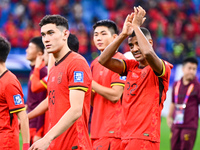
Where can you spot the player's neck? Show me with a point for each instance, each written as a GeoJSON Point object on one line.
{"type": "Point", "coordinates": [2, 68]}
{"type": "Point", "coordinates": [186, 81]}
{"type": "Point", "coordinates": [143, 63]}
{"type": "Point", "coordinates": [32, 63]}
{"type": "Point", "coordinates": [60, 54]}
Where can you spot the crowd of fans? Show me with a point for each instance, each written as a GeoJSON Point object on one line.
{"type": "Point", "coordinates": [174, 24]}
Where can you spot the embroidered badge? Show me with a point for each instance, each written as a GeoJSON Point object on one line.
{"type": "Point", "coordinates": [78, 76]}
{"type": "Point", "coordinates": [59, 79]}
{"type": "Point", "coordinates": [122, 78]}
{"type": "Point", "coordinates": [17, 99]}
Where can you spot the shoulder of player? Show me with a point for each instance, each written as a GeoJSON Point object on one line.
{"type": "Point", "coordinates": [119, 56]}
{"type": "Point", "coordinates": [77, 59]}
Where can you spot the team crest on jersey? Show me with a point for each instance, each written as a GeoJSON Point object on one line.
{"type": "Point", "coordinates": [143, 74]}
{"type": "Point", "coordinates": [122, 78]}
{"type": "Point", "coordinates": [78, 76]}
{"type": "Point", "coordinates": [17, 99]}
{"type": "Point", "coordinates": [59, 79]}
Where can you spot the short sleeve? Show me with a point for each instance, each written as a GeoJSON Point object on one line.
{"type": "Point", "coordinates": [166, 70]}
{"type": "Point", "coordinates": [116, 79]}
{"type": "Point", "coordinates": [128, 63]}
{"type": "Point", "coordinates": [14, 97]}
{"type": "Point", "coordinates": [79, 75]}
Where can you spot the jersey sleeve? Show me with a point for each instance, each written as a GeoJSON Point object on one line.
{"type": "Point", "coordinates": [166, 71]}
{"type": "Point", "coordinates": [79, 75]}
{"type": "Point", "coordinates": [116, 79]}
{"type": "Point", "coordinates": [38, 85]}
{"type": "Point", "coordinates": [14, 97]}
{"type": "Point", "coordinates": [127, 64]}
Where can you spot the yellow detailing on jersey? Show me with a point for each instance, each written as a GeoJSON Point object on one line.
{"type": "Point", "coordinates": [163, 73]}
{"type": "Point", "coordinates": [93, 90]}
{"type": "Point", "coordinates": [43, 83]}
{"type": "Point", "coordinates": [124, 65]}
{"type": "Point", "coordinates": [79, 88]}
{"type": "Point", "coordinates": [18, 110]}
{"type": "Point", "coordinates": [121, 84]}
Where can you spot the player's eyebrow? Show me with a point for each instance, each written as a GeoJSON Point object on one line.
{"type": "Point", "coordinates": [43, 33]}
{"type": "Point", "coordinates": [103, 31]}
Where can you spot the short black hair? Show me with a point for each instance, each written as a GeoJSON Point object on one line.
{"type": "Point", "coordinates": [38, 42]}
{"type": "Point", "coordinates": [190, 60]}
{"type": "Point", "coordinates": [73, 42]}
{"type": "Point", "coordinates": [111, 25]}
{"type": "Point", "coordinates": [4, 49]}
{"type": "Point", "coordinates": [145, 31]}
{"type": "Point", "coordinates": [58, 20]}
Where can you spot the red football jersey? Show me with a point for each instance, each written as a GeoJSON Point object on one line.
{"type": "Point", "coordinates": [71, 72]}
{"type": "Point", "coordinates": [142, 101]}
{"type": "Point", "coordinates": [11, 101]}
{"type": "Point", "coordinates": [106, 115]}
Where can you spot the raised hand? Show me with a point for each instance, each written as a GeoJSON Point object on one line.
{"type": "Point", "coordinates": [39, 61]}
{"type": "Point", "coordinates": [128, 27]}
{"type": "Point", "coordinates": [139, 16]}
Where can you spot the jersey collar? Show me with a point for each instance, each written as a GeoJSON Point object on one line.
{"type": "Point", "coordinates": [56, 64]}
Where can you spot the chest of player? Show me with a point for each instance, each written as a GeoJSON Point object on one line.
{"type": "Point", "coordinates": [58, 90]}
{"type": "Point", "coordinates": [140, 80]}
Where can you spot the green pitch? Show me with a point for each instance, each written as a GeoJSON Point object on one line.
{"type": "Point", "coordinates": [165, 134]}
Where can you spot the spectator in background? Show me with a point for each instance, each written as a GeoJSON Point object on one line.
{"type": "Point", "coordinates": [35, 48]}
{"type": "Point", "coordinates": [183, 113]}
{"type": "Point", "coordinates": [11, 106]}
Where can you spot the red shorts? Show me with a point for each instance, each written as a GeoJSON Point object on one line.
{"type": "Point", "coordinates": [32, 134]}
{"type": "Point", "coordinates": [139, 144]}
{"type": "Point", "coordinates": [106, 143]}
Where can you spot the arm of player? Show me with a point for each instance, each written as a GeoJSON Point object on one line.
{"type": "Point", "coordinates": [113, 94]}
{"type": "Point", "coordinates": [106, 59]}
{"type": "Point", "coordinates": [24, 124]}
{"type": "Point", "coordinates": [39, 110]}
{"type": "Point", "coordinates": [145, 44]}
{"type": "Point", "coordinates": [36, 85]}
{"type": "Point", "coordinates": [169, 117]}
{"type": "Point", "coordinates": [68, 119]}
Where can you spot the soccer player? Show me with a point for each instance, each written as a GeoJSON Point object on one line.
{"type": "Point", "coordinates": [35, 48]}
{"type": "Point", "coordinates": [108, 87]}
{"type": "Point", "coordinates": [41, 84]}
{"type": "Point", "coordinates": [12, 106]}
{"type": "Point", "coordinates": [146, 84]}
{"type": "Point", "coordinates": [183, 113]}
{"type": "Point", "coordinates": [69, 90]}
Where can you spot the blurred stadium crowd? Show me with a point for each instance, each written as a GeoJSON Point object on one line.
{"type": "Point", "coordinates": [174, 24]}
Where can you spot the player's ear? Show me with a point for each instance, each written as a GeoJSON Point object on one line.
{"type": "Point", "coordinates": [115, 35]}
{"type": "Point", "coordinates": [66, 34]}
{"type": "Point", "coordinates": [151, 42]}
{"type": "Point", "coordinates": [39, 53]}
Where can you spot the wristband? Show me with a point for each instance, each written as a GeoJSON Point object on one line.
{"type": "Point", "coordinates": [26, 146]}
